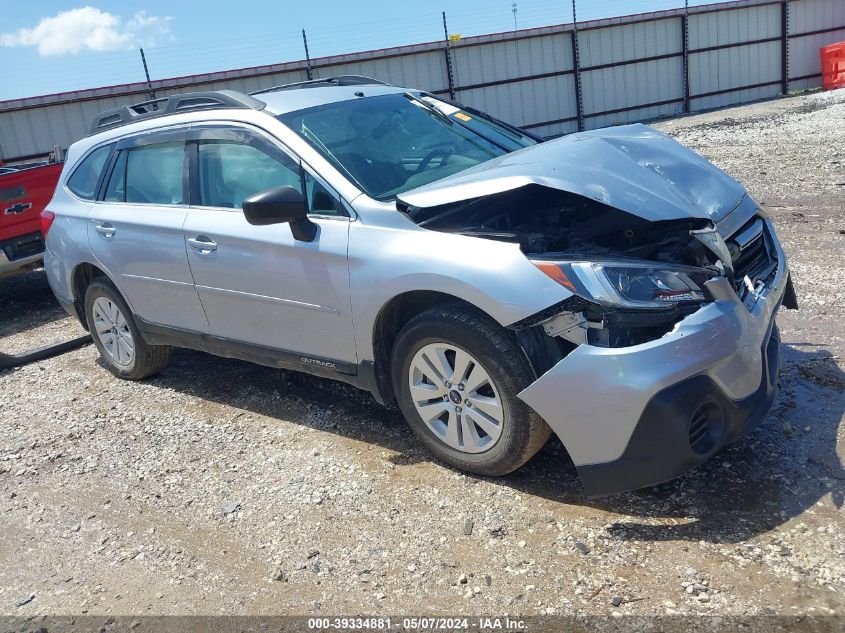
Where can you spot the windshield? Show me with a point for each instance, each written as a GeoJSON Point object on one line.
{"type": "Point", "coordinates": [392, 143]}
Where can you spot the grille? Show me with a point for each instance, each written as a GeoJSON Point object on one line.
{"type": "Point", "coordinates": [754, 255]}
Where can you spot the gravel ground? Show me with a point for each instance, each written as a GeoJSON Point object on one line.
{"type": "Point", "coordinates": [224, 487]}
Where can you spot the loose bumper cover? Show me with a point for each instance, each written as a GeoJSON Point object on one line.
{"type": "Point", "coordinates": [637, 416]}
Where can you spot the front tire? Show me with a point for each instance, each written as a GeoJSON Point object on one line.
{"type": "Point", "coordinates": [456, 375]}
{"type": "Point", "coordinates": [121, 346]}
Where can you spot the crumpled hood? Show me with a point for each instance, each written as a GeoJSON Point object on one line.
{"type": "Point", "coordinates": [633, 168]}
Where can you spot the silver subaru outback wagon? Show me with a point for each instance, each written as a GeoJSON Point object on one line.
{"type": "Point", "coordinates": [611, 287]}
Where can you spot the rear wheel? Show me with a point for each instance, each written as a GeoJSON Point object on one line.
{"type": "Point", "coordinates": [116, 336]}
{"type": "Point", "coordinates": [457, 374]}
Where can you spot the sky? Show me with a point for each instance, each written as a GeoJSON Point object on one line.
{"type": "Point", "coordinates": [53, 46]}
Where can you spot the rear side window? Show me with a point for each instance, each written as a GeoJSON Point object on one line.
{"type": "Point", "coordinates": [116, 189]}
{"type": "Point", "coordinates": [83, 181]}
{"type": "Point", "coordinates": [154, 174]}
{"type": "Point", "coordinates": [150, 174]}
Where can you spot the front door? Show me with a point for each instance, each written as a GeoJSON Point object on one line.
{"type": "Point", "coordinates": [135, 230]}
{"type": "Point", "coordinates": [258, 284]}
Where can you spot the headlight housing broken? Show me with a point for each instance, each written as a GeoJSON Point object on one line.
{"type": "Point", "coordinates": [630, 284]}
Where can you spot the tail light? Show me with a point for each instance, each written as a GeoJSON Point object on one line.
{"type": "Point", "coordinates": [47, 218]}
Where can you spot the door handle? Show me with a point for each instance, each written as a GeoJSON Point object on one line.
{"type": "Point", "coordinates": [105, 229]}
{"type": "Point", "coordinates": [203, 244]}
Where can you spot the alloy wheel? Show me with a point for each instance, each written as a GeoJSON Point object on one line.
{"type": "Point", "coordinates": [113, 332]}
{"type": "Point", "coordinates": [456, 398]}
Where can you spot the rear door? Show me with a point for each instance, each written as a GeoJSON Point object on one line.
{"type": "Point", "coordinates": [135, 230]}
{"type": "Point", "coordinates": [258, 284]}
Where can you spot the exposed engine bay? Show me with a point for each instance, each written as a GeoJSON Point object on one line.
{"type": "Point", "coordinates": [551, 224]}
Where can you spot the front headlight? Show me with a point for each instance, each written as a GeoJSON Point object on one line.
{"type": "Point", "coordinates": [630, 284]}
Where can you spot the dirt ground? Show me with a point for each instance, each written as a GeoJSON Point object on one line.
{"type": "Point", "coordinates": [224, 487]}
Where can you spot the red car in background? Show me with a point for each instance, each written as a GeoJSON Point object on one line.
{"type": "Point", "coordinates": [24, 192]}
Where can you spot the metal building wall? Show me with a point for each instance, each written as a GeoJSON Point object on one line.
{"type": "Point", "coordinates": [818, 19]}
{"type": "Point", "coordinates": [31, 129]}
{"type": "Point", "coordinates": [626, 66]}
{"type": "Point", "coordinates": [526, 81]}
{"type": "Point", "coordinates": [420, 69]}
{"type": "Point", "coordinates": [629, 69]}
{"type": "Point", "coordinates": [748, 53]}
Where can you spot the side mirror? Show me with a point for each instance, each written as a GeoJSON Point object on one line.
{"type": "Point", "coordinates": [281, 205]}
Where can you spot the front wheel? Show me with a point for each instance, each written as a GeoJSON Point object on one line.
{"type": "Point", "coordinates": [456, 374]}
{"type": "Point", "coordinates": [123, 350]}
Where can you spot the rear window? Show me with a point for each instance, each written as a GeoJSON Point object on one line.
{"type": "Point", "coordinates": [83, 181]}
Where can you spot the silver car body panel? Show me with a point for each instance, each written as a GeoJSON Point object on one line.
{"type": "Point", "coordinates": [390, 255]}
{"type": "Point", "coordinates": [143, 248]}
{"type": "Point", "coordinates": [632, 167]}
{"type": "Point", "coordinates": [722, 340]}
{"type": "Point", "coordinates": [261, 286]}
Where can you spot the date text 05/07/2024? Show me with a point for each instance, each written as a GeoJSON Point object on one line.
{"type": "Point", "coordinates": [424, 623]}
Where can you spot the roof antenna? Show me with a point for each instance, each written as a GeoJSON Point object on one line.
{"type": "Point", "coordinates": [149, 83]}
{"type": "Point", "coordinates": [307, 56]}
{"type": "Point", "coordinates": [513, 8]}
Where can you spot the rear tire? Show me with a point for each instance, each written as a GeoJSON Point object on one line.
{"type": "Point", "coordinates": [475, 423]}
{"type": "Point", "coordinates": [121, 346]}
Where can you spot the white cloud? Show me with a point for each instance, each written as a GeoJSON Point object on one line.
{"type": "Point", "coordinates": [89, 29]}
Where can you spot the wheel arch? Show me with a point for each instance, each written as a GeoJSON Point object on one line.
{"type": "Point", "coordinates": [400, 309]}
{"type": "Point", "coordinates": [82, 276]}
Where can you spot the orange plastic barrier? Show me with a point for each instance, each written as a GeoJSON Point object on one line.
{"type": "Point", "coordinates": [833, 66]}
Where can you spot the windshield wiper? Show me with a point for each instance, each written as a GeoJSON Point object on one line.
{"type": "Point", "coordinates": [427, 106]}
{"type": "Point", "coordinates": [445, 117]}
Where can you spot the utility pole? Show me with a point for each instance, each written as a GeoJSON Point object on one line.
{"type": "Point", "coordinates": [307, 56]}
{"type": "Point", "coordinates": [149, 83]}
{"type": "Point", "coordinates": [513, 9]}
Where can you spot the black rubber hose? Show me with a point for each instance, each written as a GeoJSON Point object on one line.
{"type": "Point", "coordinates": [7, 361]}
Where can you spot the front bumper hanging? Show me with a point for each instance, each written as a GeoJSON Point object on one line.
{"type": "Point", "coordinates": [636, 416]}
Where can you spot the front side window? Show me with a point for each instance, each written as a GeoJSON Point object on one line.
{"type": "Point", "coordinates": [83, 181]}
{"type": "Point", "coordinates": [392, 143]}
{"type": "Point", "coordinates": [230, 171]}
{"type": "Point", "coordinates": [321, 201]}
{"type": "Point", "coordinates": [149, 174]}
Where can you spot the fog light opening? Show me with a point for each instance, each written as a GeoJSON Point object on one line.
{"type": "Point", "coordinates": [706, 427]}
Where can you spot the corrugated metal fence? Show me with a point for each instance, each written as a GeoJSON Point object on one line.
{"type": "Point", "coordinates": [552, 80]}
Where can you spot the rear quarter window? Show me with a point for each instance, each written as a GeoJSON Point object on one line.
{"type": "Point", "coordinates": [83, 181]}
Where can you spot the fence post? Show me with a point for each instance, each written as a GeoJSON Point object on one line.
{"type": "Point", "coordinates": [307, 56]}
{"type": "Point", "coordinates": [784, 47]}
{"type": "Point", "coordinates": [685, 50]}
{"type": "Point", "coordinates": [576, 65]}
{"type": "Point", "coordinates": [448, 53]}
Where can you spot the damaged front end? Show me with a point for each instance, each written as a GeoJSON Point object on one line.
{"type": "Point", "coordinates": [633, 278]}
{"type": "Point", "coordinates": [666, 349]}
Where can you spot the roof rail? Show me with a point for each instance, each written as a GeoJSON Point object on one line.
{"type": "Point", "coordinates": [174, 104]}
{"type": "Point", "coordinates": [340, 80]}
